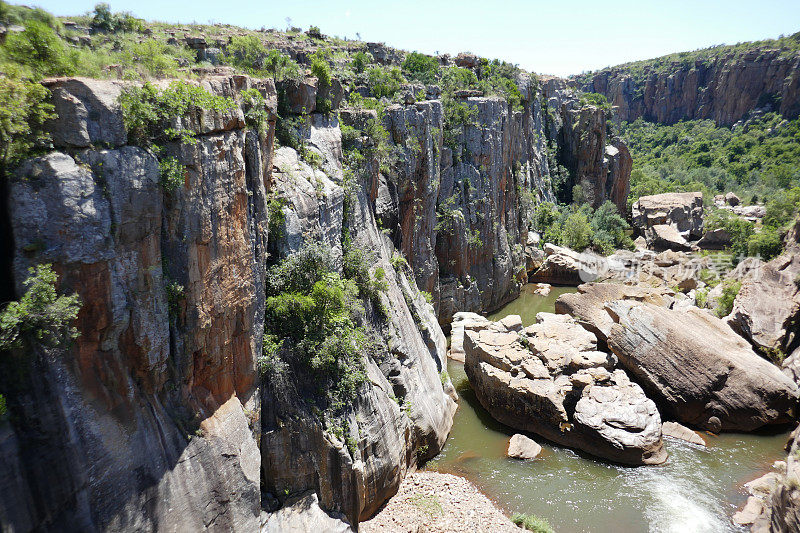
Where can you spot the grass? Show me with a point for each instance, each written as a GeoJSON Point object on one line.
{"type": "Point", "coordinates": [532, 523]}
{"type": "Point", "coordinates": [428, 504]}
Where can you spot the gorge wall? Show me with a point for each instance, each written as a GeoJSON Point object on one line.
{"type": "Point", "coordinates": [722, 87]}
{"type": "Point", "coordinates": [156, 417]}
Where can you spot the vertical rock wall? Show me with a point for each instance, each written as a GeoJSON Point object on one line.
{"type": "Point", "coordinates": [723, 89]}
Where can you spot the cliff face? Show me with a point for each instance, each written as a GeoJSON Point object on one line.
{"type": "Point", "coordinates": [723, 89]}
{"type": "Point", "coordinates": [598, 162]}
{"type": "Point", "coordinates": [151, 419]}
{"type": "Point", "coordinates": [156, 417]}
{"type": "Point", "coordinates": [480, 242]}
{"type": "Point", "coordinates": [144, 421]}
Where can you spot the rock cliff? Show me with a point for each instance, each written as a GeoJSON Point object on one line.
{"type": "Point", "coordinates": [152, 418]}
{"type": "Point", "coordinates": [722, 87]}
{"type": "Point", "coordinates": [594, 159]}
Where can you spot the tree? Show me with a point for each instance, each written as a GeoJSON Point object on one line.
{"type": "Point", "coordinates": [41, 314]}
{"type": "Point", "coordinates": [23, 111]}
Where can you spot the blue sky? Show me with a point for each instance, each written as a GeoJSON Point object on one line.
{"type": "Point", "coordinates": [549, 37]}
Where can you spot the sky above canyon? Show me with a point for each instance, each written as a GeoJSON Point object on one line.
{"type": "Point", "coordinates": [550, 37]}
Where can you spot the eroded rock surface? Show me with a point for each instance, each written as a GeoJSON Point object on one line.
{"type": "Point", "coordinates": [551, 380]}
{"type": "Point", "coordinates": [698, 370]}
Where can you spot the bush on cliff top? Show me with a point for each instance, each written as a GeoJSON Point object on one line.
{"type": "Point", "coordinates": [148, 111]}
{"type": "Point", "coordinates": [23, 111]}
{"type": "Point", "coordinates": [41, 315]}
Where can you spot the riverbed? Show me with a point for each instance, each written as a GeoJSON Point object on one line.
{"type": "Point", "coordinates": [697, 490]}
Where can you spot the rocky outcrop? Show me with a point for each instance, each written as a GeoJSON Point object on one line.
{"type": "Point", "coordinates": [385, 441]}
{"type": "Point", "coordinates": [551, 380]}
{"type": "Point", "coordinates": [766, 310]}
{"type": "Point", "coordinates": [697, 369]}
{"type": "Point", "coordinates": [680, 212]}
{"type": "Point", "coordinates": [600, 164]}
{"type": "Point", "coordinates": [480, 239]}
{"type": "Point", "coordinates": [150, 411]}
{"type": "Point", "coordinates": [723, 88]}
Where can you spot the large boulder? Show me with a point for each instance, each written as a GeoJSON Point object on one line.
{"type": "Point", "coordinates": [681, 210]}
{"type": "Point", "coordinates": [587, 305]}
{"type": "Point", "coordinates": [698, 369]}
{"type": "Point", "coordinates": [766, 310]}
{"type": "Point", "coordinates": [562, 266]}
{"type": "Point", "coordinates": [551, 380]}
{"type": "Point", "coordinates": [522, 447]}
{"type": "Point", "coordinates": [665, 237]}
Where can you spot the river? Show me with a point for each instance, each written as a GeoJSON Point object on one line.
{"type": "Point", "coordinates": [697, 490]}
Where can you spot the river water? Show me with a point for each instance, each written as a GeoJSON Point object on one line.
{"type": "Point", "coordinates": [697, 490]}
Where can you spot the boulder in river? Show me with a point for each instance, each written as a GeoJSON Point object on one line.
{"type": "Point", "coordinates": [681, 432]}
{"type": "Point", "coordinates": [587, 305]}
{"type": "Point", "coordinates": [522, 447]}
{"type": "Point", "coordinates": [698, 370]}
{"type": "Point", "coordinates": [551, 380]}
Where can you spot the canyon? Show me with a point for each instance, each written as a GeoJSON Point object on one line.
{"type": "Point", "coordinates": [159, 415]}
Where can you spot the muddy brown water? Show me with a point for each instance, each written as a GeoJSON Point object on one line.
{"type": "Point", "coordinates": [697, 490]}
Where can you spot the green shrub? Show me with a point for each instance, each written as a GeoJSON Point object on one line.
{"type": "Point", "coordinates": [280, 66]}
{"type": "Point", "coordinates": [420, 67]}
{"type": "Point", "coordinates": [246, 52]}
{"type": "Point", "coordinates": [105, 20]}
{"type": "Point", "coordinates": [766, 243]}
{"type": "Point", "coordinates": [3, 407]}
{"type": "Point", "coordinates": [595, 99]}
{"type": "Point", "coordinates": [322, 71]}
{"type": "Point", "coordinates": [577, 232]}
{"type": "Point", "coordinates": [171, 174]}
{"type": "Point", "coordinates": [360, 60]}
{"type": "Point", "coordinates": [313, 315]}
{"type": "Point", "coordinates": [176, 293]}
{"type": "Point", "coordinates": [23, 111]}
{"type": "Point", "coordinates": [148, 111]}
{"type": "Point", "coordinates": [384, 81]}
{"type": "Point", "coordinates": [532, 523]}
{"type": "Point", "coordinates": [41, 49]}
{"type": "Point", "coordinates": [256, 113]}
{"type": "Point", "coordinates": [41, 315]}
{"type": "Point", "coordinates": [725, 303]}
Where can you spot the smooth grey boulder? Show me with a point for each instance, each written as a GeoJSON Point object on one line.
{"type": "Point", "coordinates": [551, 380]}
{"type": "Point", "coordinates": [587, 305]}
{"type": "Point", "coordinates": [698, 370]}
